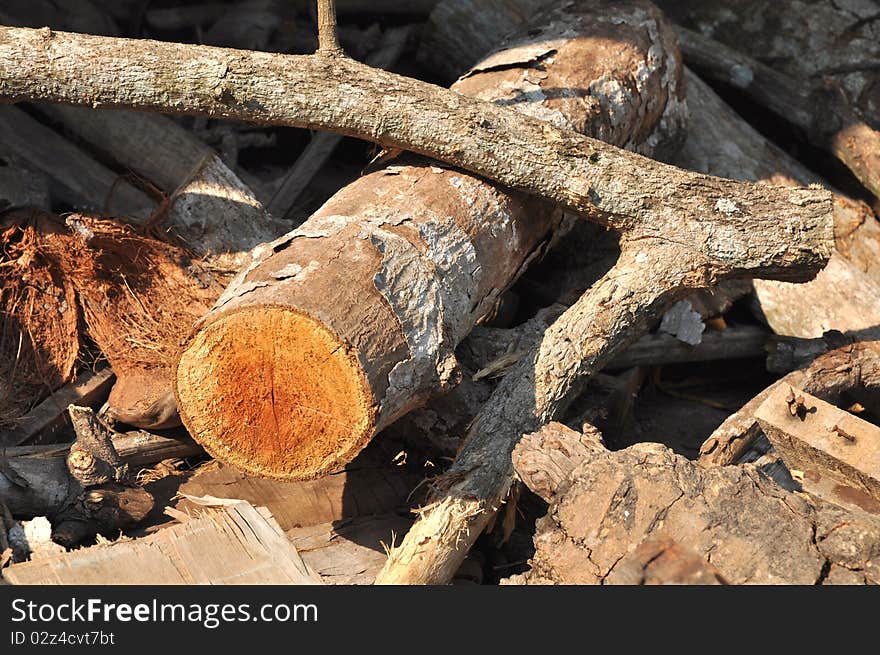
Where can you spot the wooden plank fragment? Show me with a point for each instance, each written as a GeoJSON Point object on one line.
{"type": "Point", "coordinates": [50, 416]}
{"type": "Point", "coordinates": [343, 495]}
{"type": "Point", "coordinates": [234, 544]}
{"type": "Point", "coordinates": [348, 552]}
{"type": "Point", "coordinates": [814, 436]}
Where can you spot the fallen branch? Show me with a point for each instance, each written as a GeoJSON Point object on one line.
{"type": "Point", "coordinates": [337, 94]}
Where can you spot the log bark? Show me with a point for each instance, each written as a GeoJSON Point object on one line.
{"type": "Point", "coordinates": [425, 253]}
{"type": "Point", "coordinates": [748, 528]}
{"type": "Point", "coordinates": [569, 354]}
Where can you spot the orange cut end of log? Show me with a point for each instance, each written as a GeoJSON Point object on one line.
{"type": "Point", "coordinates": [274, 392]}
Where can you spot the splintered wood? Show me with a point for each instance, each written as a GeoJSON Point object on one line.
{"type": "Point", "coordinates": [233, 544]}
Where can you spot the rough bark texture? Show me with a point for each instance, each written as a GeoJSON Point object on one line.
{"type": "Point", "coordinates": [424, 252]}
{"type": "Point", "coordinates": [747, 528]}
{"type": "Point", "coordinates": [844, 294]}
{"type": "Point", "coordinates": [851, 373]}
{"type": "Point", "coordinates": [335, 93]}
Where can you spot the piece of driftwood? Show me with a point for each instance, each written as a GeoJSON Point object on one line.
{"type": "Point", "coordinates": [849, 373]}
{"type": "Point", "coordinates": [424, 251]}
{"type": "Point", "coordinates": [814, 436]}
{"type": "Point", "coordinates": [45, 420]}
{"type": "Point", "coordinates": [824, 114]}
{"type": "Point", "coordinates": [748, 528]}
{"type": "Point", "coordinates": [233, 544]}
{"type": "Point", "coordinates": [323, 144]}
{"type": "Point", "coordinates": [81, 181]}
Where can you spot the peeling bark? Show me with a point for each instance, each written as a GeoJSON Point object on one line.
{"type": "Point", "coordinates": [424, 251]}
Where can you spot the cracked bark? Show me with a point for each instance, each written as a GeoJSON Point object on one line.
{"type": "Point", "coordinates": [739, 527]}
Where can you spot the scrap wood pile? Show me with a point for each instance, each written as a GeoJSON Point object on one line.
{"type": "Point", "coordinates": [517, 292]}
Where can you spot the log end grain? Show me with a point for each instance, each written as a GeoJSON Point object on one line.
{"type": "Point", "coordinates": [274, 392]}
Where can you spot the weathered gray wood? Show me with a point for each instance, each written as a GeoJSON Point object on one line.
{"type": "Point", "coordinates": [823, 114]}
{"type": "Point", "coordinates": [81, 181]}
{"type": "Point", "coordinates": [153, 146]}
{"type": "Point", "coordinates": [348, 552]}
{"type": "Point", "coordinates": [812, 40]}
{"type": "Point", "coordinates": [49, 485]}
{"type": "Point", "coordinates": [234, 544]}
{"type": "Point", "coordinates": [49, 417]}
{"type": "Point", "coordinates": [176, 18]}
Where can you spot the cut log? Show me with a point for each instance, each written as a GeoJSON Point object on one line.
{"type": "Point", "coordinates": [235, 544]}
{"type": "Point", "coordinates": [752, 531]}
{"type": "Point", "coordinates": [822, 440]}
{"type": "Point", "coordinates": [424, 253]}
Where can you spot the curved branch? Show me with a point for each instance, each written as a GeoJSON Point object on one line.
{"type": "Point", "coordinates": [726, 220]}
{"type": "Point", "coordinates": [611, 315]}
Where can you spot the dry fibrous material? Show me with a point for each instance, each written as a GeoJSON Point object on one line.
{"type": "Point", "coordinates": [134, 295]}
